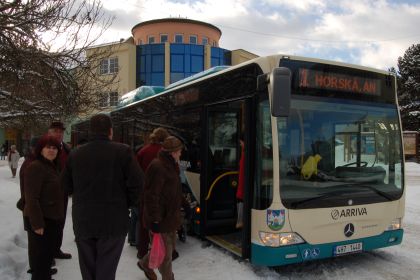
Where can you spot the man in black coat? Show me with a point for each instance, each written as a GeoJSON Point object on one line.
{"type": "Point", "coordinates": [105, 181]}
{"type": "Point", "coordinates": [56, 130]}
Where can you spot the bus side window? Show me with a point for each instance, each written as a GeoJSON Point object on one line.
{"type": "Point", "coordinates": [263, 191]}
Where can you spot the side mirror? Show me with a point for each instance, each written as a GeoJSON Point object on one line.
{"type": "Point", "coordinates": [281, 87]}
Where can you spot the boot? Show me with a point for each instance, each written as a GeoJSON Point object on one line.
{"type": "Point", "coordinates": [149, 273]}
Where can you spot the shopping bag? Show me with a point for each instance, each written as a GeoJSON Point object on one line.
{"type": "Point", "coordinates": [157, 252]}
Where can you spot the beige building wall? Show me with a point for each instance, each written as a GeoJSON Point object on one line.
{"type": "Point", "coordinates": [125, 79]}
{"type": "Point", "coordinates": [207, 57]}
{"type": "Point", "coordinates": [240, 55]}
{"type": "Point", "coordinates": [127, 66]}
{"type": "Point", "coordinates": [167, 63]}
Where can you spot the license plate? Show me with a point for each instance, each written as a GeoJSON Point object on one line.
{"type": "Point", "coordinates": [348, 248]}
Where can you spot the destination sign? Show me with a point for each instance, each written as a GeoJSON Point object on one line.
{"type": "Point", "coordinates": [313, 79]}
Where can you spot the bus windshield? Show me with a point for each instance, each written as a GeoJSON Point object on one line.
{"type": "Point", "coordinates": [338, 152]}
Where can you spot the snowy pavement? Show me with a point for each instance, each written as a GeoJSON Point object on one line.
{"type": "Point", "coordinates": [208, 263]}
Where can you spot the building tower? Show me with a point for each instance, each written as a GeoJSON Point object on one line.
{"type": "Point", "coordinates": [171, 49]}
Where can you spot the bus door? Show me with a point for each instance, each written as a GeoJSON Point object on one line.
{"type": "Point", "coordinates": [224, 126]}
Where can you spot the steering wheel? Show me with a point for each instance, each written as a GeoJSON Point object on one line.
{"type": "Point", "coordinates": [363, 164]}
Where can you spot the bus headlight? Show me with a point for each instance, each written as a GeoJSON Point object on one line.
{"type": "Point", "coordinates": [395, 224]}
{"type": "Point", "coordinates": [280, 239]}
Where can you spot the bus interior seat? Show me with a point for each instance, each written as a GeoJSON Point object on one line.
{"type": "Point", "coordinates": [323, 148]}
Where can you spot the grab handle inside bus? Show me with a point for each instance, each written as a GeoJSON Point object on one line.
{"type": "Point", "coordinates": [281, 87]}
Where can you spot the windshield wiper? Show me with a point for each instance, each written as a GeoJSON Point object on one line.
{"type": "Point", "coordinates": [375, 190]}
{"type": "Point", "coordinates": [295, 204]}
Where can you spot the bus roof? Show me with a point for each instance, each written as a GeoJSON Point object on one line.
{"type": "Point", "coordinates": [267, 63]}
{"type": "Point", "coordinates": [337, 63]}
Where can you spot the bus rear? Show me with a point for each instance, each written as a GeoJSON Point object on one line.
{"type": "Point", "coordinates": [331, 181]}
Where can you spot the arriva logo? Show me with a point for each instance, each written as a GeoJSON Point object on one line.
{"type": "Point", "coordinates": [336, 214]}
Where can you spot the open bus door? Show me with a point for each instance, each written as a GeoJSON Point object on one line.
{"type": "Point", "coordinates": [224, 125]}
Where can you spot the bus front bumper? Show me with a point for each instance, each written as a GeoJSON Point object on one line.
{"type": "Point", "coordinates": [276, 256]}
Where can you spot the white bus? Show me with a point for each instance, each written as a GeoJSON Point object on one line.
{"type": "Point", "coordinates": [324, 163]}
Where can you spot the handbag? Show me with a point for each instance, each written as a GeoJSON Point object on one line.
{"type": "Point", "coordinates": [157, 252]}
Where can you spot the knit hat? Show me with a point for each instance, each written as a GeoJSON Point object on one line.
{"type": "Point", "coordinates": [158, 135]}
{"type": "Point", "coordinates": [172, 144]}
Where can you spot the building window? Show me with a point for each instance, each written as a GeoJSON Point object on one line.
{"type": "Point", "coordinates": [109, 66]}
{"type": "Point", "coordinates": [103, 101]}
{"type": "Point", "coordinates": [113, 65]}
{"type": "Point", "coordinates": [151, 61]}
{"type": "Point", "coordinates": [163, 38]}
{"type": "Point", "coordinates": [151, 39]}
{"type": "Point", "coordinates": [179, 38]}
{"type": "Point", "coordinates": [113, 99]}
{"type": "Point", "coordinates": [193, 39]}
{"type": "Point", "coordinates": [205, 40]}
{"type": "Point", "coordinates": [108, 99]}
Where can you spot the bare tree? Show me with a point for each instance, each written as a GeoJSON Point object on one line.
{"type": "Point", "coordinates": [44, 70]}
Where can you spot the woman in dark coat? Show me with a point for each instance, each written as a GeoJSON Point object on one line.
{"type": "Point", "coordinates": [44, 206]}
{"type": "Point", "coordinates": [162, 203]}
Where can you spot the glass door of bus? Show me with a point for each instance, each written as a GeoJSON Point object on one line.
{"type": "Point", "coordinates": [225, 126]}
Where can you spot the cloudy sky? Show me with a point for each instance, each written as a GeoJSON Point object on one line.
{"type": "Point", "coordinates": [367, 32]}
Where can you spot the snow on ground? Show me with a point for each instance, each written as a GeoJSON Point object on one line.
{"type": "Point", "coordinates": [208, 263]}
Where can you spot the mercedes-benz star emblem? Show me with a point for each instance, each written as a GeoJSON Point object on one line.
{"type": "Point", "coordinates": [349, 230]}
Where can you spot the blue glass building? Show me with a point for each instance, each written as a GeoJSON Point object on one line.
{"type": "Point", "coordinates": [169, 50]}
